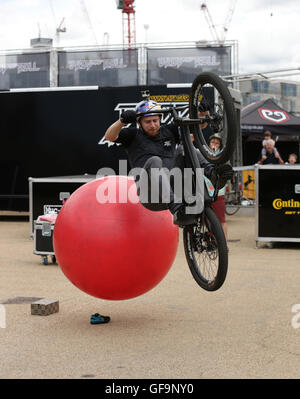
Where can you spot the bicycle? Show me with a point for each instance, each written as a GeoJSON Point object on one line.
{"type": "Point", "coordinates": [204, 242]}
{"type": "Point", "coordinates": [238, 194]}
{"type": "Point", "coordinates": [233, 196]}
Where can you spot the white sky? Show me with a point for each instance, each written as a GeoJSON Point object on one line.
{"type": "Point", "coordinates": [267, 31]}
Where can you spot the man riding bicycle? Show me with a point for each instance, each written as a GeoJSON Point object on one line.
{"type": "Point", "coordinates": [153, 145]}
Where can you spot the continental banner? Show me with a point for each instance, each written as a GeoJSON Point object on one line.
{"type": "Point", "coordinates": [279, 202]}
{"type": "Point", "coordinates": [182, 65]}
{"type": "Point", "coordinates": [99, 68]}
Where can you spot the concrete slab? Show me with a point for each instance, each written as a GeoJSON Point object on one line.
{"type": "Point", "coordinates": [177, 330]}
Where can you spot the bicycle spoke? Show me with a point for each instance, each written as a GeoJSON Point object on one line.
{"type": "Point", "coordinates": [206, 254]}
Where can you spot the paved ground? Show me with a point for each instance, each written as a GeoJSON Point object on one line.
{"type": "Point", "coordinates": [177, 330]}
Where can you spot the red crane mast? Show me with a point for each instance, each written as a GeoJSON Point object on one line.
{"type": "Point", "coordinates": [128, 22]}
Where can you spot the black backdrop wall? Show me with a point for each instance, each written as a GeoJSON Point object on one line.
{"type": "Point", "coordinates": [252, 150]}
{"type": "Point", "coordinates": [60, 133]}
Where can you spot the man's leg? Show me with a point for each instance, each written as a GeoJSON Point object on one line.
{"type": "Point", "coordinates": [193, 194]}
{"type": "Point", "coordinates": [153, 181]}
{"type": "Point", "coordinates": [154, 187]}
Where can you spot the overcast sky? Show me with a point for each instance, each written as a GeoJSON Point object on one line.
{"type": "Point", "coordinates": [267, 31]}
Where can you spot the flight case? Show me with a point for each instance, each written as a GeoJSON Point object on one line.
{"type": "Point", "coordinates": [44, 194]}
{"type": "Point", "coordinates": [277, 203]}
{"type": "Point", "coordinates": [43, 245]}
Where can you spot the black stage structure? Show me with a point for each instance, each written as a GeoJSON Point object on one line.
{"type": "Point", "coordinates": [59, 132]}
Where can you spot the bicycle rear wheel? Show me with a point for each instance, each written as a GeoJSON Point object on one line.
{"type": "Point", "coordinates": [231, 209]}
{"type": "Point", "coordinates": [209, 93]}
{"type": "Point", "coordinates": [206, 251]}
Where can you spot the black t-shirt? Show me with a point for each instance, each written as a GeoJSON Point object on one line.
{"type": "Point", "coordinates": [140, 147]}
{"type": "Point", "coordinates": [271, 159]}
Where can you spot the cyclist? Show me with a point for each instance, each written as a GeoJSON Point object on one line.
{"type": "Point", "coordinates": [152, 145]}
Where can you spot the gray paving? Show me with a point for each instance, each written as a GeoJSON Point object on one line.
{"type": "Point", "coordinates": [177, 330]}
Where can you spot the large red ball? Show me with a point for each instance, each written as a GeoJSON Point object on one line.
{"type": "Point", "coordinates": [115, 249]}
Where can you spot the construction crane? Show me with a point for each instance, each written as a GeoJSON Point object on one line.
{"type": "Point", "coordinates": [209, 20]}
{"type": "Point", "coordinates": [228, 19]}
{"type": "Point", "coordinates": [88, 20]}
{"type": "Point", "coordinates": [220, 38]}
{"type": "Point", "coordinates": [128, 22]}
{"type": "Point", "coordinates": [60, 29]}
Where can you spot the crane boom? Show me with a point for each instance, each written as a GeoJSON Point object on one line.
{"type": "Point", "coordinates": [209, 21]}
{"type": "Point", "coordinates": [87, 17]}
{"type": "Point", "coordinates": [228, 19]}
{"type": "Point", "coordinates": [60, 28]}
{"type": "Point", "coordinates": [212, 27]}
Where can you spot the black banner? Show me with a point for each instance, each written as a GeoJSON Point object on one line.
{"type": "Point", "coordinates": [182, 65]}
{"type": "Point", "coordinates": [279, 202]}
{"type": "Point", "coordinates": [99, 68]}
{"type": "Point", "coordinates": [60, 133]}
{"type": "Point", "coordinates": [24, 70]}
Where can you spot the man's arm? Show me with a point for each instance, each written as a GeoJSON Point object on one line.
{"type": "Point", "coordinates": [112, 133]}
{"type": "Point", "coordinates": [207, 166]}
{"type": "Point", "coordinates": [263, 158]}
{"type": "Point", "coordinates": [277, 155]}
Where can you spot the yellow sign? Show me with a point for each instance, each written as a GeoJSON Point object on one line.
{"type": "Point", "coordinates": [278, 203]}
{"type": "Point", "coordinates": [249, 184]}
{"type": "Point", "coordinates": [166, 98]}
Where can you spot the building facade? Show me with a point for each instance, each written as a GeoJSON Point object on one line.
{"type": "Point", "coordinates": [285, 93]}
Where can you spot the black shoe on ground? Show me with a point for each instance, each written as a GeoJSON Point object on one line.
{"type": "Point", "coordinates": [182, 219]}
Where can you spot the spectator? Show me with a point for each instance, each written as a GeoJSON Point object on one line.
{"type": "Point", "coordinates": [292, 159]}
{"type": "Point", "coordinates": [271, 156]}
{"type": "Point", "coordinates": [267, 136]}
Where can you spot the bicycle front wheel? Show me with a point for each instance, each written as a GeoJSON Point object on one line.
{"type": "Point", "coordinates": [210, 93]}
{"type": "Point", "coordinates": [206, 251]}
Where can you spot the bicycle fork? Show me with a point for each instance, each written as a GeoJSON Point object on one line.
{"type": "Point", "coordinates": [199, 190]}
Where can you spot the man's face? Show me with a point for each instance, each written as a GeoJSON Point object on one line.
{"type": "Point", "coordinates": [150, 124]}
{"type": "Point", "coordinates": [269, 147]}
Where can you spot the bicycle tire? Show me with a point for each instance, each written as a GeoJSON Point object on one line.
{"type": "Point", "coordinates": [205, 245]}
{"type": "Point", "coordinates": [231, 210]}
{"type": "Point", "coordinates": [222, 108]}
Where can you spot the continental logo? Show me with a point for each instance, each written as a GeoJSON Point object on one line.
{"type": "Point", "coordinates": [278, 204]}
{"type": "Point", "coordinates": [164, 98]}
